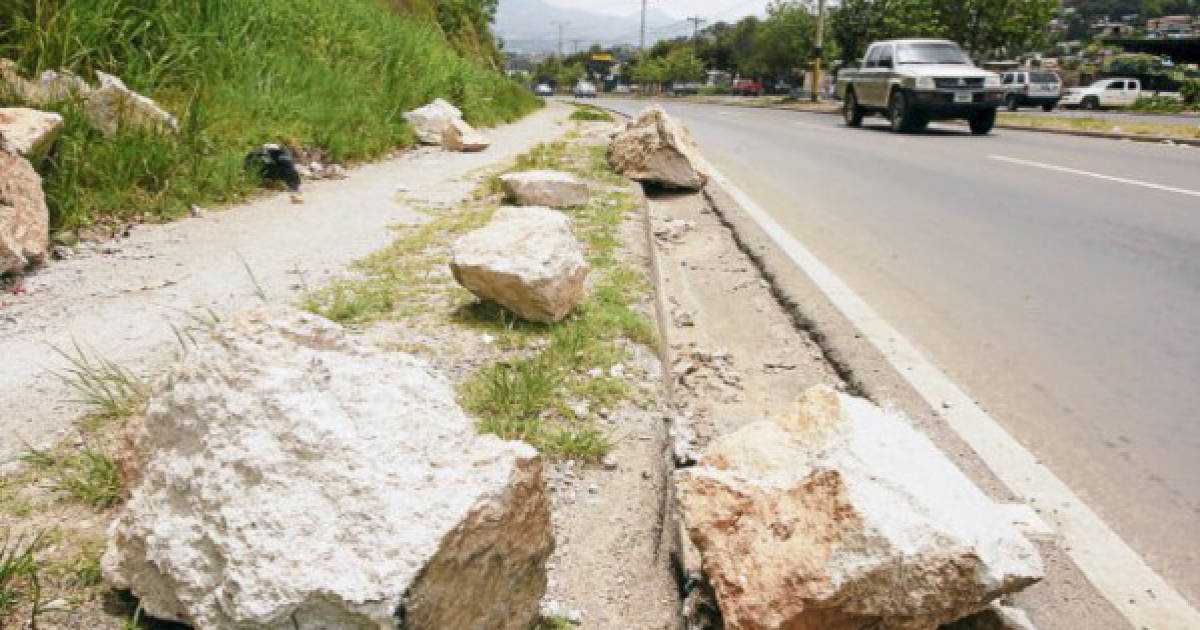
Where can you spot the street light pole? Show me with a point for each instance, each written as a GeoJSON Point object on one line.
{"type": "Point", "coordinates": [820, 51]}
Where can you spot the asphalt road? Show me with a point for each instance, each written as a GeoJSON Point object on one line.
{"type": "Point", "coordinates": [1056, 278]}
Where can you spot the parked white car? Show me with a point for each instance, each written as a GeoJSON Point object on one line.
{"type": "Point", "coordinates": [585, 89]}
{"type": "Point", "coordinates": [1103, 93]}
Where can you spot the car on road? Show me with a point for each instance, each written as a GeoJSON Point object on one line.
{"type": "Point", "coordinates": [622, 89]}
{"type": "Point", "coordinates": [585, 89]}
{"type": "Point", "coordinates": [746, 87]}
{"type": "Point", "coordinates": [1036, 88]}
{"type": "Point", "coordinates": [914, 81]}
{"type": "Point", "coordinates": [682, 88]}
{"type": "Point", "coordinates": [1118, 92]}
{"type": "Point", "coordinates": [543, 89]}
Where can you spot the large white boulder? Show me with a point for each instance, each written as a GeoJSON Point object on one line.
{"type": "Point", "coordinates": [654, 148]}
{"type": "Point", "coordinates": [52, 86]}
{"type": "Point", "coordinates": [113, 105]}
{"type": "Point", "coordinates": [840, 516]}
{"type": "Point", "coordinates": [553, 189]}
{"type": "Point", "coordinates": [525, 259]}
{"type": "Point", "coordinates": [459, 136]}
{"type": "Point", "coordinates": [430, 122]}
{"type": "Point", "coordinates": [28, 132]}
{"type": "Point", "coordinates": [24, 217]}
{"type": "Point", "coordinates": [290, 478]}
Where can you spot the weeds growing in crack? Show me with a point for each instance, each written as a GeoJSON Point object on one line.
{"type": "Point", "coordinates": [556, 622]}
{"type": "Point", "coordinates": [587, 113]}
{"type": "Point", "coordinates": [89, 477]}
{"type": "Point", "coordinates": [109, 391]}
{"type": "Point", "coordinates": [19, 573]}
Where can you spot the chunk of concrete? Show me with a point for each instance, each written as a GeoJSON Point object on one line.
{"type": "Point", "coordinates": [114, 105]}
{"type": "Point", "coordinates": [654, 148]}
{"type": "Point", "coordinates": [290, 478]}
{"type": "Point", "coordinates": [553, 189]}
{"type": "Point", "coordinates": [527, 260]}
{"type": "Point", "coordinates": [24, 216]}
{"type": "Point", "coordinates": [29, 132]}
{"type": "Point", "coordinates": [459, 136]}
{"type": "Point", "coordinates": [841, 516]}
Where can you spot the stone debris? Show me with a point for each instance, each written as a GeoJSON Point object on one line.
{"type": "Point", "coordinates": [553, 189]}
{"type": "Point", "coordinates": [24, 216]}
{"type": "Point", "coordinates": [430, 122]}
{"type": "Point", "coordinates": [527, 260]}
{"type": "Point", "coordinates": [839, 515]}
{"type": "Point", "coordinates": [113, 104]}
{"type": "Point", "coordinates": [654, 148]}
{"type": "Point", "coordinates": [51, 87]}
{"type": "Point", "coordinates": [28, 132]}
{"type": "Point", "coordinates": [996, 617]}
{"type": "Point", "coordinates": [674, 230]}
{"type": "Point", "coordinates": [459, 136]}
{"type": "Point", "coordinates": [285, 477]}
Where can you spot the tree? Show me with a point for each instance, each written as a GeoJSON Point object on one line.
{"type": "Point", "coordinates": [682, 65]}
{"type": "Point", "coordinates": [786, 38]}
{"type": "Point", "coordinates": [856, 23]}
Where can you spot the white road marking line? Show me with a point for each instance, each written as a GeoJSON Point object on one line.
{"type": "Point", "coordinates": [1074, 171]}
{"type": "Point", "coordinates": [1143, 597]}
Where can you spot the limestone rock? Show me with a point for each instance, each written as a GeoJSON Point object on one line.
{"type": "Point", "coordinates": [24, 217]}
{"type": "Point", "coordinates": [294, 479]}
{"type": "Point", "coordinates": [840, 516]}
{"type": "Point", "coordinates": [114, 105]}
{"type": "Point", "coordinates": [28, 132]}
{"type": "Point", "coordinates": [525, 259]}
{"type": "Point", "coordinates": [431, 122]}
{"type": "Point", "coordinates": [553, 189]}
{"type": "Point", "coordinates": [654, 148]}
{"type": "Point", "coordinates": [459, 136]}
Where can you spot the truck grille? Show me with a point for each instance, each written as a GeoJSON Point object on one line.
{"type": "Point", "coordinates": [956, 83]}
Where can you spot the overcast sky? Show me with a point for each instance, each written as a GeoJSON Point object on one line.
{"type": "Point", "coordinates": [713, 10]}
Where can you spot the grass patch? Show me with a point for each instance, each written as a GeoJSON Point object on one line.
{"type": "Point", "coordinates": [555, 623]}
{"type": "Point", "coordinates": [586, 113]}
{"type": "Point", "coordinates": [238, 74]}
{"type": "Point", "coordinates": [1105, 126]}
{"type": "Point", "coordinates": [19, 571]}
{"type": "Point", "coordinates": [108, 390]}
{"type": "Point", "coordinates": [89, 477]}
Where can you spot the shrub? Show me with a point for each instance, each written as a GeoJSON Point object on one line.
{"type": "Point", "coordinates": [1190, 91]}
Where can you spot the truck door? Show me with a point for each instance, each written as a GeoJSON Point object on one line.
{"type": "Point", "coordinates": [1113, 94]}
{"type": "Point", "coordinates": [887, 65]}
{"type": "Point", "coordinates": [1133, 91]}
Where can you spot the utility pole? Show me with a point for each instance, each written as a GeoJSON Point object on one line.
{"type": "Point", "coordinates": [696, 21]}
{"type": "Point", "coordinates": [561, 26]}
{"type": "Point", "coordinates": [642, 48]}
{"type": "Point", "coordinates": [820, 51]}
{"type": "Point", "coordinates": [575, 46]}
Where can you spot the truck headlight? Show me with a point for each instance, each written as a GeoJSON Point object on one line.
{"type": "Point", "coordinates": [926, 83]}
{"type": "Point", "coordinates": [992, 81]}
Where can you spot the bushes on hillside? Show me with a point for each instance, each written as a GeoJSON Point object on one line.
{"type": "Point", "coordinates": [336, 75]}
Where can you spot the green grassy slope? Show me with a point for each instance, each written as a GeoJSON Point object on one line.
{"type": "Point", "coordinates": [335, 74]}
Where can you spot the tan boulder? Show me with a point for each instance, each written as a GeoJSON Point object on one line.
{"type": "Point", "coordinates": [553, 189]}
{"type": "Point", "coordinates": [654, 148]}
{"type": "Point", "coordinates": [525, 259]}
{"type": "Point", "coordinates": [114, 105]}
{"type": "Point", "coordinates": [24, 217]}
{"type": "Point", "coordinates": [430, 122]}
{"type": "Point", "coordinates": [840, 516]}
{"type": "Point", "coordinates": [294, 479]}
{"type": "Point", "coordinates": [29, 132]}
{"type": "Point", "coordinates": [459, 136]}
{"type": "Point", "coordinates": [51, 87]}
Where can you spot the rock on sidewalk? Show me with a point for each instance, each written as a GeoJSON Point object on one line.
{"type": "Point", "coordinates": [654, 148]}
{"type": "Point", "coordinates": [28, 132]}
{"type": "Point", "coordinates": [525, 259]}
{"type": "Point", "coordinates": [459, 136]}
{"type": "Point", "coordinates": [24, 217]}
{"type": "Point", "coordinates": [113, 105]}
{"type": "Point", "coordinates": [839, 515]}
{"type": "Point", "coordinates": [430, 122]}
{"type": "Point", "coordinates": [553, 189]}
{"type": "Point", "coordinates": [294, 479]}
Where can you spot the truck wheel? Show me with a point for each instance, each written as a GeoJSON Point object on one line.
{"type": "Point", "coordinates": [982, 122]}
{"type": "Point", "coordinates": [1010, 102]}
{"type": "Point", "coordinates": [900, 112]}
{"type": "Point", "coordinates": [851, 111]}
{"type": "Point", "coordinates": [1091, 102]}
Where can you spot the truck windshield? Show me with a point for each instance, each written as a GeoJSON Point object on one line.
{"type": "Point", "coordinates": [931, 52]}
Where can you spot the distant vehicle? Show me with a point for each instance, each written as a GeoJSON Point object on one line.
{"type": "Point", "coordinates": [622, 89]}
{"type": "Point", "coordinates": [585, 89]}
{"type": "Point", "coordinates": [543, 89]}
{"type": "Point", "coordinates": [1031, 88]}
{"type": "Point", "coordinates": [682, 88]}
{"type": "Point", "coordinates": [1103, 93]}
{"type": "Point", "coordinates": [747, 87]}
{"type": "Point", "coordinates": [914, 81]}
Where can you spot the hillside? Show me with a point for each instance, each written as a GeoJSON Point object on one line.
{"type": "Point", "coordinates": [528, 26]}
{"type": "Point", "coordinates": [330, 75]}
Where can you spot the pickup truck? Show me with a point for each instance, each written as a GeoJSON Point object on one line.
{"type": "Point", "coordinates": [914, 81]}
{"type": "Point", "coordinates": [1117, 92]}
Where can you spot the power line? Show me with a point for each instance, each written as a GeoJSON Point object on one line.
{"type": "Point", "coordinates": [561, 26]}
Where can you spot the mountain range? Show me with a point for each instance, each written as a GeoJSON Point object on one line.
{"type": "Point", "coordinates": [528, 26]}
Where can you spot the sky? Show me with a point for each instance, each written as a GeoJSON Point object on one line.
{"type": "Point", "coordinates": [727, 10]}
